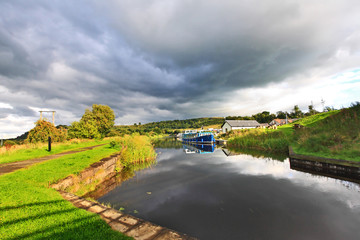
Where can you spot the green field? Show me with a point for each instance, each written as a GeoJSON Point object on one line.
{"type": "Point", "coordinates": [31, 210]}
{"type": "Point", "coordinates": [30, 151]}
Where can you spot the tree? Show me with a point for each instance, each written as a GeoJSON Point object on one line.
{"type": "Point", "coordinates": [297, 113]}
{"type": "Point", "coordinates": [281, 114]}
{"type": "Point", "coordinates": [44, 129]}
{"type": "Point", "coordinates": [94, 123]}
{"type": "Point", "coordinates": [312, 111]}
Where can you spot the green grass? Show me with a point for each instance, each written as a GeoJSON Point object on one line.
{"type": "Point", "coordinates": [260, 139]}
{"type": "Point", "coordinates": [334, 134]}
{"type": "Point", "coordinates": [29, 209]}
{"type": "Point", "coordinates": [307, 121]}
{"type": "Point", "coordinates": [30, 151]}
{"type": "Point", "coordinates": [337, 136]}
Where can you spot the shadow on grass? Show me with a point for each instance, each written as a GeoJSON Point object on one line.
{"type": "Point", "coordinates": [31, 204]}
{"type": "Point", "coordinates": [44, 221]}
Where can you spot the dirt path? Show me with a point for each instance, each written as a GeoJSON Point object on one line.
{"type": "Point", "coordinates": [11, 167]}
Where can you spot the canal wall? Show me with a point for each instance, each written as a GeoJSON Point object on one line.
{"type": "Point", "coordinates": [106, 172]}
{"type": "Point", "coordinates": [336, 168]}
{"type": "Point", "coordinates": [97, 173]}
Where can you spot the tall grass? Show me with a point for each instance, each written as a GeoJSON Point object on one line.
{"type": "Point", "coordinates": [260, 139]}
{"type": "Point", "coordinates": [135, 149]}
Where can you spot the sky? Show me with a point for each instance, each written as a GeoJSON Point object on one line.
{"type": "Point", "coordinates": [154, 60]}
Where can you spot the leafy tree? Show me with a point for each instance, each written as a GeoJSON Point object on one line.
{"type": "Point", "coordinates": [94, 123]}
{"type": "Point", "coordinates": [281, 114]}
{"type": "Point", "coordinates": [264, 117]}
{"type": "Point", "coordinates": [297, 113]}
{"type": "Point", "coordinates": [44, 129]}
{"type": "Point", "coordinates": [312, 111]}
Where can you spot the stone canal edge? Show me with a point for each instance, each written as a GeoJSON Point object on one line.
{"type": "Point", "coordinates": [129, 225]}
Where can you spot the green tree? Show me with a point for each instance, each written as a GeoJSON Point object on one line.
{"type": "Point", "coordinates": [94, 123]}
{"type": "Point", "coordinates": [312, 111]}
{"type": "Point", "coordinates": [297, 113]}
{"type": "Point", "coordinates": [281, 115]}
{"type": "Point", "coordinates": [44, 129]}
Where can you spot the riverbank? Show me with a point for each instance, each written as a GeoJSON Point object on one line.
{"type": "Point", "coordinates": [332, 135]}
{"type": "Point", "coordinates": [31, 209]}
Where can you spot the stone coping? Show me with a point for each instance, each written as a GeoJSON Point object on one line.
{"type": "Point", "coordinates": [127, 224]}
{"type": "Point", "coordinates": [323, 159]}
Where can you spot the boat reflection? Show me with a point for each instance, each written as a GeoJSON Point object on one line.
{"type": "Point", "coordinates": [199, 148]}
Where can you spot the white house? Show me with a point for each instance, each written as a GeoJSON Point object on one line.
{"type": "Point", "coordinates": [229, 125]}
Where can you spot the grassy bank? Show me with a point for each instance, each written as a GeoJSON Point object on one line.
{"type": "Point", "coordinates": [337, 136]}
{"type": "Point", "coordinates": [29, 209]}
{"type": "Point", "coordinates": [334, 134]}
{"type": "Point", "coordinates": [136, 153]}
{"type": "Point", "coordinates": [36, 150]}
{"type": "Point", "coordinates": [260, 139]}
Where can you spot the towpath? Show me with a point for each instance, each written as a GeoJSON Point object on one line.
{"type": "Point", "coordinates": [11, 167]}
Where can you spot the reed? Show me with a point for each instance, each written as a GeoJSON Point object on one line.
{"type": "Point", "coordinates": [134, 149]}
{"type": "Point", "coordinates": [259, 139]}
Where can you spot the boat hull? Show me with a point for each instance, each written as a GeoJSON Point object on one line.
{"type": "Point", "coordinates": [200, 139]}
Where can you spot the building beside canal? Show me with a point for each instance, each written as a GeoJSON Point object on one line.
{"type": "Point", "coordinates": [229, 125]}
{"type": "Point", "coordinates": [279, 122]}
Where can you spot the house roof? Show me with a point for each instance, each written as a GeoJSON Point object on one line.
{"type": "Point", "coordinates": [242, 123]}
{"type": "Point", "coordinates": [283, 121]}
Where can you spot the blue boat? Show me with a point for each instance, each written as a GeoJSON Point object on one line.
{"type": "Point", "coordinates": [198, 148]}
{"type": "Point", "coordinates": [198, 137]}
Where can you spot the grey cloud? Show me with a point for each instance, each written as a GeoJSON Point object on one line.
{"type": "Point", "coordinates": [158, 60]}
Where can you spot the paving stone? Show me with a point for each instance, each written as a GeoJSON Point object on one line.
{"type": "Point", "coordinates": [112, 214]}
{"type": "Point", "coordinates": [96, 208]}
{"type": "Point", "coordinates": [85, 203]}
{"type": "Point", "coordinates": [117, 226]}
{"type": "Point", "coordinates": [107, 220]}
{"type": "Point", "coordinates": [170, 235]}
{"type": "Point", "coordinates": [144, 231]}
{"type": "Point", "coordinates": [129, 220]}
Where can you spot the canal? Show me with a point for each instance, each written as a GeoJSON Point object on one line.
{"type": "Point", "coordinates": [215, 193]}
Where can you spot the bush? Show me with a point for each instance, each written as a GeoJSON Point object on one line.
{"type": "Point", "coordinates": [45, 129]}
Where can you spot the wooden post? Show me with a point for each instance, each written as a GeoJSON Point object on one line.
{"type": "Point", "coordinates": [49, 144]}
{"type": "Point", "coordinates": [53, 116]}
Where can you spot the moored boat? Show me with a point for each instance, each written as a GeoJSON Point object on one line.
{"type": "Point", "coordinates": [198, 136]}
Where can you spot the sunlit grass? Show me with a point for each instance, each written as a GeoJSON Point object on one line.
{"type": "Point", "coordinates": [35, 150]}
{"type": "Point", "coordinates": [259, 139]}
{"type": "Point", "coordinates": [30, 209]}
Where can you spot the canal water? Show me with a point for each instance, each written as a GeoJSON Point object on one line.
{"type": "Point", "coordinates": [216, 193]}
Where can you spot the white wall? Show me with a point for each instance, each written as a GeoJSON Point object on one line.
{"type": "Point", "coordinates": [226, 127]}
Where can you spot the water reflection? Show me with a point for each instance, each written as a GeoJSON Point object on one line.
{"type": "Point", "coordinates": [213, 196]}
{"type": "Point", "coordinates": [198, 148]}
{"type": "Point", "coordinates": [167, 142]}
{"type": "Point", "coordinates": [261, 154]}
{"type": "Point", "coordinates": [326, 169]}
{"type": "Point", "coordinates": [117, 179]}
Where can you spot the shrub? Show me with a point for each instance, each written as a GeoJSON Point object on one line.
{"type": "Point", "coordinates": [44, 129]}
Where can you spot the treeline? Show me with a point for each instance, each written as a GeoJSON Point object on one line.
{"type": "Point", "coordinates": [267, 117]}
{"type": "Point", "coordinates": [98, 122]}
{"type": "Point", "coordinates": [164, 127]}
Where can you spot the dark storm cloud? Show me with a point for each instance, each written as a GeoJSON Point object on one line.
{"type": "Point", "coordinates": [155, 60]}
